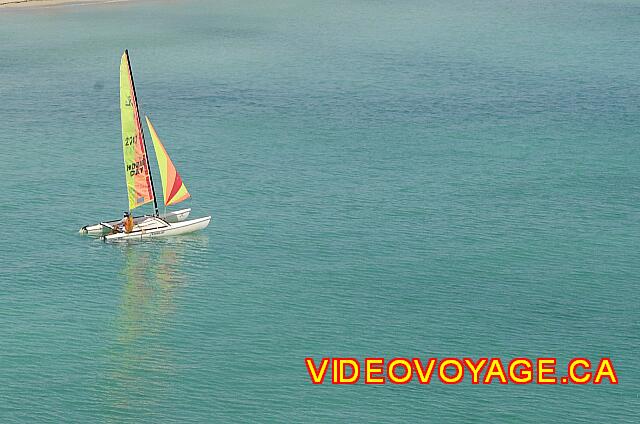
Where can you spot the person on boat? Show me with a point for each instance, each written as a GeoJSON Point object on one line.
{"type": "Point", "coordinates": [127, 222]}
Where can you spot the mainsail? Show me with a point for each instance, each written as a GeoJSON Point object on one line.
{"type": "Point", "coordinates": [173, 188]}
{"type": "Point", "coordinates": [136, 163]}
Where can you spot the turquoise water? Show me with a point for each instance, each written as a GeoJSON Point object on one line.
{"type": "Point", "coordinates": [410, 179]}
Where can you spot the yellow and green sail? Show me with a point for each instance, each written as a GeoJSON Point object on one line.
{"type": "Point", "coordinates": [135, 156]}
{"type": "Point", "coordinates": [173, 188]}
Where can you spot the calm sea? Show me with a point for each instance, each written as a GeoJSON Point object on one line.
{"type": "Point", "coordinates": [409, 178]}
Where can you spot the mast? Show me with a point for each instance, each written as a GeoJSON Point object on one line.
{"type": "Point", "coordinates": [146, 152]}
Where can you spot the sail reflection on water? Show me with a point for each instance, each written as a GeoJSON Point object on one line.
{"type": "Point", "coordinates": [141, 356]}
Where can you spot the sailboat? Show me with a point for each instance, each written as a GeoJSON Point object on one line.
{"type": "Point", "coordinates": [140, 187]}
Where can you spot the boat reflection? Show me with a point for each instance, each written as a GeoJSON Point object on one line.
{"type": "Point", "coordinates": [151, 280]}
{"type": "Point", "coordinates": [142, 355]}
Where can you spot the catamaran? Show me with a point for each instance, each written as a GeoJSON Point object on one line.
{"type": "Point", "coordinates": [139, 180]}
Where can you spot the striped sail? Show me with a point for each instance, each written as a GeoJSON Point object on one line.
{"type": "Point", "coordinates": [173, 188]}
{"type": "Point", "coordinates": [135, 156]}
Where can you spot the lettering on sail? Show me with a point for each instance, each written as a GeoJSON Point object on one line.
{"type": "Point", "coordinates": [136, 168]}
{"type": "Point", "coordinates": [128, 141]}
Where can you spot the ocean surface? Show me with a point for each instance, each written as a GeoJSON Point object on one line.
{"type": "Point", "coordinates": [409, 178]}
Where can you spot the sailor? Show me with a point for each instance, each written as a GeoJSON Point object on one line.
{"type": "Point", "coordinates": [127, 222]}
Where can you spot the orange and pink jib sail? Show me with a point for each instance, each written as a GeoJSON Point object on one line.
{"type": "Point", "coordinates": [172, 186]}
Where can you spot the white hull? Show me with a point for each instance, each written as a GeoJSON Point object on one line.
{"type": "Point", "coordinates": [154, 228]}
{"type": "Point", "coordinates": [104, 227]}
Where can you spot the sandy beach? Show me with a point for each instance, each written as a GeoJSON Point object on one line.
{"type": "Point", "coordinates": [50, 3]}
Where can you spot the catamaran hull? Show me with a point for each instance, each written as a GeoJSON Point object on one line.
{"type": "Point", "coordinates": [166, 230]}
{"type": "Point", "coordinates": [100, 229]}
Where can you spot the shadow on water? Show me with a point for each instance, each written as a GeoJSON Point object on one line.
{"type": "Point", "coordinates": [141, 357]}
